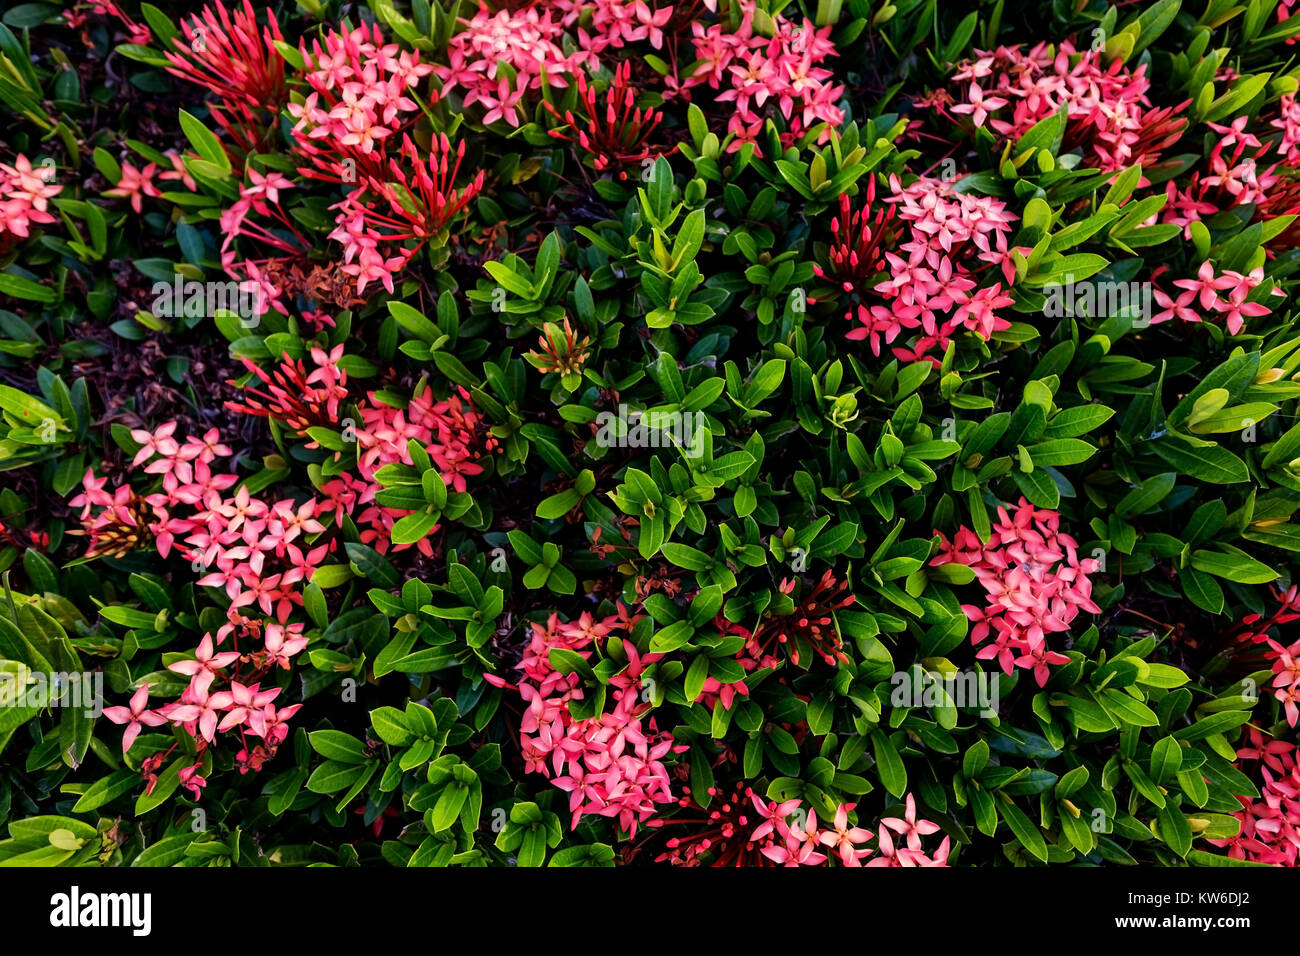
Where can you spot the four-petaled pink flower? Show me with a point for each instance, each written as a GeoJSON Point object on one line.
{"type": "Point", "coordinates": [204, 659]}
{"type": "Point", "coordinates": [240, 702]}
{"type": "Point", "coordinates": [909, 826]}
{"type": "Point", "coordinates": [136, 716]}
{"type": "Point", "coordinates": [135, 184]}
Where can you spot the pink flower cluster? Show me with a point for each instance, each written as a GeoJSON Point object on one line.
{"type": "Point", "coordinates": [25, 193]}
{"type": "Point", "coordinates": [1286, 680]}
{"type": "Point", "coordinates": [260, 552]}
{"type": "Point", "coordinates": [359, 93]}
{"type": "Point", "coordinates": [1239, 174]}
{"type": "Point", "coordinates": [257, 551]}
{"type": "Point", "coordinates": [205, 713]}
{"type": "Point", "coordinates": [260, 195]}
{"type": "Point", "coordinates": [759, 74]}
{"type": "Point", "coordinates": [1270, 826]}
{"type": "Point", "coordinates": [530, 42]}
{"type": "Point", "coordinates": [418, 206]}
{"type": "Point", "coordinates": [615, 23]}
{"type": "Point", "coordinates": [1253, 631]}
{"type": "Point", "coordinates": [297, 398]}
{"type": "Point", "coordinates": [788, 834]}
{"type": "Point", "coordinates": [609, 764]}
{"type": "Point", "coordinates": [1108, 111]}
{"type": "Point", "coordinates": [932, 284]}
{"type": "Point", "coordinates": [359, 102]}
{"type": "Point", "coordinates": [1035, 585]}
{"type": "Point", "coordinates": [526, 41]}
{"type": "Point", "coordinates": [1288, 121]}
{"type": "Point", "coordinates": [448, 430]}
{"type": "Point", "coordinates": [1201, 296]}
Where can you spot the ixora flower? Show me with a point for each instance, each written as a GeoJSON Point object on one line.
{"type": "Point", "coordinates": [743, 829]}
{"type": "Point", "coordinates": [501, 56]}
{"type": "Point", "coordinates": [765, 72]}
{"type": "Point", "coordinates": [1201, 296]}
{"type": "Point", "coordinates": [236, 539]}
{"type": "Point", "coordinates": [359, 99]}
{"type": "Point", "coordinates": [25, 193]}
{"type": "Point", "coordinates": [1270, 825]}
{"type": "Point", "coordinates": [1108, 109]}
{"type": "Point", "coordinates": [296, 397]}
{"type": "Point", "coordinates": [135, 184]}
{"type": "Point", "coordinates": [931, 277]}
{"type": "Point", "coordinates": [612, 130]}
{"type": "Point", "coordinates": [414, 198]}
{"type": "Point", "coordinates": [225, 53]}
{"type": "Point", "coordinates": [1035, 584]}
{"type": "Point", "coordinates": [136, 715]}
{"type": "Point", "coordinates": [611, 764]}
{"type": "Point", "coordinates": [810, 625]}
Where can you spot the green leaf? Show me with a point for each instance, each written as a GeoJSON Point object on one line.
{"type": "Point", "coordinates": [205, 142]}
{"type": "Point", "coordinates": [1030, 836]}
{"type": "Point", "coordinates": [559, 505]}
{"type": "Point", "coordinates": [1233, 567]}
{"type": "Point", "coordinates": [21, 288]}
{"type": "Point", "coordinates": [414, 527]}
{"type": "Point", "coordinates": [1128, 710]}
{"type": "Point", "coordinates": [448, 807]}
{"type": "Point", "coordinates": [1202, 590]}
{"type": "Point", "coordinates": [1146, 495]}
{"type": "Point", "coordinates": [22, 406]}
{"type": "Point", "coordinates": [1212, 463]}
{"type": "Point", "coordinates": [696, 674]}
{"type": "Point", "coordinates": [1219, 723]}
{"type": "Point", "coordinates": [1071, 423]}
{"type": "Point", "coordinates": [821, 713]}
{"type": "Point", "coordinates": [414, 322]}
{"type": "Point", "coordinates": [1061, 451]}
{"type": "Point", "coordinates": [1175, 830]}
{"type": "Point", "coordinates": [168, 851]}
{"type": "Point", "coordinates": [371, 564]}
{"type": "Point", "coordinates": [336, 745]}
{"type": "Point", "coordinates": [671, 637]}
{"type": "Point", "coordinates": [333, 776]}
{"type": "Point", "coordinates": [595, 854]}
{"type": "Point", "coordinates": [1166, 758]}
{"type": "Point", "coordinates": [889, 765]}
{"type": "Point", "coordinates": [106, 789]}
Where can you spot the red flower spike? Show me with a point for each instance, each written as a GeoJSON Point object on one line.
{"type": "Point", "coordinates": [613, 131]}
{"type": "Point", "coordinates": [810, 621]}
{"type": "Point", "coordinates": [860, 239]}
{"type": "Point", "coordinates": [291, 396]}
{"type": "Point", "coordinates": [227, 55]}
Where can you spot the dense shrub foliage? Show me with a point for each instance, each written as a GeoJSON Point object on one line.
{"type": "Point", "coordinates": [718, 432]}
